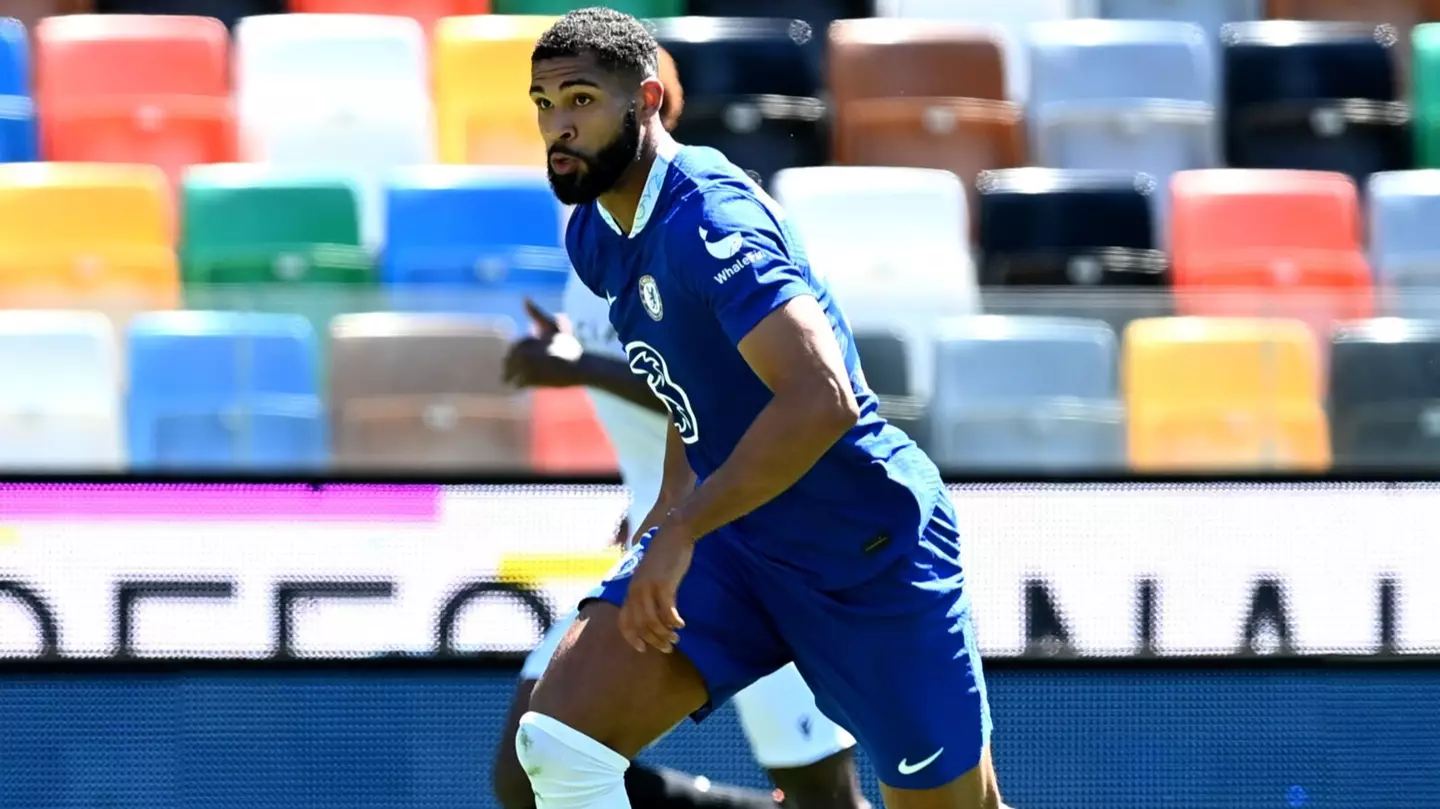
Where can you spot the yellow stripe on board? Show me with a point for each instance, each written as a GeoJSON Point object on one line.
{"type": "Point", "coordinates": [10, 536]}
{"type": "Point", "coordinates": [536, 567]}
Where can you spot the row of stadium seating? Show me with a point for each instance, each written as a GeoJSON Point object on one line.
{"type": "Point", "coordinates": [213, 390]}
{"type": "Point", "coordinates": [359, 92]}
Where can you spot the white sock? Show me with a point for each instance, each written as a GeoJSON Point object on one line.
{"type": "Point", "coordinates": [567, 769]}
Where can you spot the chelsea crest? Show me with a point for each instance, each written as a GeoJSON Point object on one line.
{"type": "Point", "coordinates": [650, 297]}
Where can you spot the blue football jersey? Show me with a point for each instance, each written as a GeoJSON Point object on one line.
{"type": "Point", "coordinates": [709, 257]}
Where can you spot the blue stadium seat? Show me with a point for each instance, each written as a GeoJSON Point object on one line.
{"type": "Point", "coordinates": [1028, 393]}
{"type": "Point", "coordinates": [224, 390]}
{"type": "Point", "coordinates": [752, 89]}
{"type": "Point", "coordinates": [1053, 227]}
{"type": "Point", "coordinates": [473, 239]}
{"type": "Point", "coordinates": [1385, 394]}
{"type": "Point", "coordinates": [17, 107]}
{"type": "Point", "coordinates": [1211, 15]}
{"type": "Point", "coordinates": [1319, 96]}
{"type": "Point", "coordinates": [1124, 95]}
{"type": "Point", "coordinates": [1404, 207]}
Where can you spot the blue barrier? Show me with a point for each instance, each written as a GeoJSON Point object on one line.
{"type": "Point", "coordinates": [1067, 738]}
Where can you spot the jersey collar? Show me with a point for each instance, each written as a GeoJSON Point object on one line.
{"type": "Point", "coordinates": [653, 185]}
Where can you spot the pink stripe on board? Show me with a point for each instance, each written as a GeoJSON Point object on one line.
{"type": "Point", "coordinates": [219, 502]}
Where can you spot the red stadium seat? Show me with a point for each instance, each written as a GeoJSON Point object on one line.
{"type": "Point", "coordinates": [565, 436]}
{"type": "Point", "coordinates": [134, 89]}
{"type": "Point", "coordinates": [1269, 243]}
{"type": "Point", "coordinates": [427, 12]}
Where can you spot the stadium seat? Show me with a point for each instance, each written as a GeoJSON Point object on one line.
{"type": "Point", "coordinates": [1013, 18]}
{"type": "Point", "coordinates": [59, 392]}
{"type": "Point", "coordinates": [1224, 394]}
{"type": "Point", "coordinates": [1052, 227]}
{"type": "Point", "coordinates": [1124, 96]}
{"type": "Point", "coordinates": [818, 14]}
{"type": "Point", "coordinates": [121, 256]}
{"type": "Point", "coordinates": [752, 89]}
{"type": "Point", "coordinates": [482, 68]}
{"type": "Point", "coordinates": [1400, 15]}
{"type": "Point", "coordinates": [637, 8]}
{"type": "Point", "coordinates": [1385, 394]}
{"type": "Point", "coordinates": [426, 12]}
{"type": "Point", "coordinates": [339, 92]}
{"type": "Point", "coordinates": [424, 393]}
{"type": "Point", "coordinates": [566, 438]}
{"type": "Point", "coordinates": [1025, 393]}
{"type": "Point", "coordinates": [1211, 15]}
{"type": "Point", "coordinates": [885, 357]}
{"type": "Point", "coordinates": [1319, 96]}
{"type": "Point", "coordinates": [1404, 241]}
{"type": "Point", "coordinates": [224, 390]}
{"type": "Point", "coordinates": [17, 107]}
{"type": "Point", "coordinates": [1425, 41]}
{"type": "Point", "coordinates": [1269, 243]}
{"type": "Point", "coordinates": [925, 95]}
{"type": "Point", "coordinates": [893, 244]}
{"type": "Point", "coordinates": [228, 12]}
{"type": "Point", "coordinates": [258, 224]}
{"type": "Point", "coordinates": [123, 88]}
{"type": "Point", "coordinates": [469, 238]}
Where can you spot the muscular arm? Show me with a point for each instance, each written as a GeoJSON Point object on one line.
{"type": "Point", "coordinates": [614, 376]}
{"type": "Point", "coordinates": [794, 352]}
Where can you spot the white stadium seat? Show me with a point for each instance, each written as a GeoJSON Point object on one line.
{"type": "Point", "coordinates": [348, 92]}
{"type": "Point", "coordinates": [59, 392]}
{"type": "Point", "coordinates": [893, 242]}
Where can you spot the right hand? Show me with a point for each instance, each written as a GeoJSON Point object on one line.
{"type": "Point", "coordinates": [549, 358]}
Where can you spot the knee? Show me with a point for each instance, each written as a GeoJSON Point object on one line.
{"type": "Point", "coordinates": [566, 768]}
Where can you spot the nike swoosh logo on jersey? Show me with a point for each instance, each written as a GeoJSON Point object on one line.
{"type": "Point", "coordinates": [723, 249]}
{"type": "Point", "coordinates": [907, 768]}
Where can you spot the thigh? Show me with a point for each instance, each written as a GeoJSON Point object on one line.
{"type": "Point", "coordinates": [600, 686]}
{"type": "Point", "coordinates": [976, 789]}
{"type": "Point", "coordinates": [539, 658]}
{"type": "Point", "coordinates": [895, 660]}
{"type": "Point", "coordinates": [785, 727]}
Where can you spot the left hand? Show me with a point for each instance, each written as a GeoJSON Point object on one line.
{"type": "Point", "coordinates": [649, 616]}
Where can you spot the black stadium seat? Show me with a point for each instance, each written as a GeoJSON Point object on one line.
{"type": "Point", "coordinates": [817, 13]}
{"type": "Point", "coordinates": [1054, 227]}
{"type": "Point", "coordinates": [1385, 394]}
{"type": "Point", "coordinates": [1321, 96]}
{"type": "Point", "coordinates": [227, 11]}
{"type": "Point", "coordinates": [752, 89]}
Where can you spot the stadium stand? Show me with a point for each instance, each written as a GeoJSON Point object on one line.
{"type": "Point", "coordinates": [1151, 171]}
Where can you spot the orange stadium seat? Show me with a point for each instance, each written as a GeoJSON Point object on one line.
{"type": "Point", "coordinates": [134, 89]}
{"type": "Point", "coordinates": [73, 233]}
{"type": "Point", "coordinates": [1269, 243]}
{"type": "Point", "coordinates": [482, 71]}
{"type": "Point", "coordinates": [922, 94]}
{"type": "Point", "coordinates": [1224, 394]}
{"type": "Point", "coordinates": [565, 436]}
{"type": "Point", "coordinates": [427, 12]}
{"type": "Point", "coordinates": [424, 392]}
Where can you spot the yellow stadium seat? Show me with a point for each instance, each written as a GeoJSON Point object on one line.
{"type": "Point", "coordinates": [74, 233]}
{"type": "Point", "coordinates": [1207, 394]}
{"type": "Point", "coordinates": [482, 74]}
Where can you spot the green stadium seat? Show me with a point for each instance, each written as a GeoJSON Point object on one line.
{"type": "Point", "coordinates": [1425, 45]}
{"type": "Point", "coordinates": [638, 8]}
{"type": "Point", "coordinates": [255, 224]}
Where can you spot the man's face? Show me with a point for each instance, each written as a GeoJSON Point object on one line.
{"type": "Point", "coordinates": [588, 119]}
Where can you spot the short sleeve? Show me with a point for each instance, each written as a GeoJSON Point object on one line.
{"type": "Point", "coordinates": [736, 260]}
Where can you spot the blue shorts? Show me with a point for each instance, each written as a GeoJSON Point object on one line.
{"type": "Point", "coordinates": [893, 660]}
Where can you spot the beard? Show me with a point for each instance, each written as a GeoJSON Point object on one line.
{"type": "Point", "coordinates": [598, 173]}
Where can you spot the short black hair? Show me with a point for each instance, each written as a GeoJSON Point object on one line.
{"type": "Point", "coordinates": [617, 40]}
